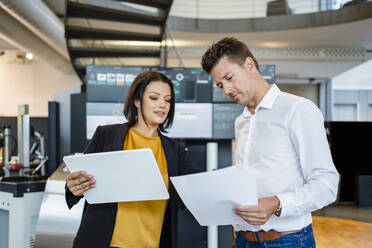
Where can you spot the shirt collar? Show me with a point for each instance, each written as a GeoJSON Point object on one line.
{"type": "Point", "coordinates": [266, 102]}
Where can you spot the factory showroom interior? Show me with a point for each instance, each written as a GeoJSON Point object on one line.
{"type": "Point", "coordinates": [185, 123]}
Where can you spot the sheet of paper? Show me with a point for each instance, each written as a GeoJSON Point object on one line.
{"type": "Point", "coordinates": [121, 176]}
{"type": "Point", "coordinates": [212, 196]}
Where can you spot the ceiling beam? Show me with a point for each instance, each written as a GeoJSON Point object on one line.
{"type": "Point", "coordinates": [74, 32]}
{"type": "Point", "coordinates": [93, 52]}
{"type": "Point", "coordinates": [79, 10]}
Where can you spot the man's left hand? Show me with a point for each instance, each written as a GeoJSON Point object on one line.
{"type": "Point", "coordinates": [258, 214]}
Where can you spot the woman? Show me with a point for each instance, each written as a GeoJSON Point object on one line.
{"type": "Point", "coordinates": [149, 109]}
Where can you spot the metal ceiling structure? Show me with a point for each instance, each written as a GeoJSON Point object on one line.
{"type": "Point", "coordinates": [132, 33]}
{"type": "Point", "coordinates": [140, 12]}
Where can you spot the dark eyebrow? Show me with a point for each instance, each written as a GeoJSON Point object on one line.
{"type": "Point", "coordinates": [159, 93]}
{"type": "Point", "coordinates": [155, 92]}
{"type": "Point", "coordinates": [223, 78]}
{"type": "Point", "coordinates": [225, 75]}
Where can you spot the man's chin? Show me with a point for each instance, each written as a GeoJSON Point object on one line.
{"type": "Point", "coordinates": [239, 102]}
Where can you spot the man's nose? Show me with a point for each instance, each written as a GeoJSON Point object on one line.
{"type": "Point", "coordinates": [228, 90]}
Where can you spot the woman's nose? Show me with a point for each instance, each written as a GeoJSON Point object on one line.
{"type": "Point", "coordinates": [162, 104]}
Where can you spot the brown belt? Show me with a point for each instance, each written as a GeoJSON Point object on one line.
{"type": "Point", "coordinates": [265, 236]}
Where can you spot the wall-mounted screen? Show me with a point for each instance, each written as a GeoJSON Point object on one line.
{"type": "Point", "coordinates": [99, 114]}
{"type": "Point", "coordinates": [190, 84]}
{"type": "Point", "coordinates": [110, 83]}
{"type": "Point", "coordinates": [192, 120]}
{"type": "Point", "coordinates": [224, 115]}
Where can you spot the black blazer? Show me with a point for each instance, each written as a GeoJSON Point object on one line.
{"type": "Point", "coordinates": [98, 221]}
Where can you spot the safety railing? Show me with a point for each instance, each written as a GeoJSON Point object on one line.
{"type": "Point", "coordinates": [237, 9]}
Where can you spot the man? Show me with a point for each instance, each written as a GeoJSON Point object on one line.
{"type": "Point", "coordinates": [282, 137]}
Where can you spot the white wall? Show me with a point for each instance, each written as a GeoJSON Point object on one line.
{"type": "Point", "coordinates": [357, 78]}
{"type": "Point", "coordinates": [33, 84]}
{"type": "Point", "coordinates": [352, 94]}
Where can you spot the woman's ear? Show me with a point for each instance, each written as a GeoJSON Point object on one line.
{"type": "Point", "coordinates": [137, 103]}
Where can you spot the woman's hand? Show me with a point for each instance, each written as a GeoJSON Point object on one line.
{"type": "Point", "coordinates": [79, 182]}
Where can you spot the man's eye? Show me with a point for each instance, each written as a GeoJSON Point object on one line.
{"type": "Point", "coordinates": [228, 78]}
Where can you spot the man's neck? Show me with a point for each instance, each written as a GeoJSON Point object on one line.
{"type": "Point", "coordinates": [261, 92]}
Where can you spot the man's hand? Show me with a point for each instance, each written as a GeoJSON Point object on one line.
{"type": "Point", "coordinates": [258, 214]}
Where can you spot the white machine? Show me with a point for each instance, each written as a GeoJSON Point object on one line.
{"type": "Point", "coordinates": [19, 210]}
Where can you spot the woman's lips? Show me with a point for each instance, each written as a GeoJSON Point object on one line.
{"type": "Point", "coordinates": [160, 113]}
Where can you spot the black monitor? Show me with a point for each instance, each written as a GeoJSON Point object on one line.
{"type": "Point", "coordinates": [349, 147]}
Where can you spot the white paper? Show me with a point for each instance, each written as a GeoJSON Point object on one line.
{"type": "Point", "coordinates": [212, 196]}
{"type": "Point", "coordinates": [121, 176]}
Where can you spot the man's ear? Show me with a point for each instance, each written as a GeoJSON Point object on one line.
{"type": "Point", "coordinates": [249, 63]}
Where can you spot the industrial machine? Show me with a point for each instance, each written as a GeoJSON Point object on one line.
{"type": "Point", "coordinates": [22, 182]}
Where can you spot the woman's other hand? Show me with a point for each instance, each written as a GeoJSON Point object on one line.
{"type": "Point", "coordinates": [78, 182]}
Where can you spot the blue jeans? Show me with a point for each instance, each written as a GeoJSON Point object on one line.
{"type": "Point", "coordinates": [301, 239]}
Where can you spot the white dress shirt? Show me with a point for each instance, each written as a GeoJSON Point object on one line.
{"type": "Point", "coordinates": [285, 143]}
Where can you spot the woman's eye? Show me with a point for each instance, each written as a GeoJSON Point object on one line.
{"type": "Point", "coordinates": [228, 78]}
{"type": "Point", "coordinates": [153, 98]}
{"type": "Point", "coordinates": [167, 100]}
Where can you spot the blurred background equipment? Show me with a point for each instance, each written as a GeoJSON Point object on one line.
{"type": "Point", "coordinates": [22, 182]}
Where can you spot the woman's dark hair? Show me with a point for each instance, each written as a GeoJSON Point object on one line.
{"type": "Point", "coordinates": [136, 91]}
{"type": "Point", "coordinates": [230, 47]}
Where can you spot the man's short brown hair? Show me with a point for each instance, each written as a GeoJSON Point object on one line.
{"type": "Point", "coordinates": [230, 47]}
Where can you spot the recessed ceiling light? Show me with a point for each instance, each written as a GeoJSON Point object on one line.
{"type": "Point", "coordinates": [29, 56]}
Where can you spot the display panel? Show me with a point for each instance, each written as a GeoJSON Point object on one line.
{"type": "Point", "coordinates": [190, 84]}
{"type": "Point", "coordinates": [110, 83]}
{"type": "Point", "coordinates": [268, 73]}
{"type": "Point", "coordinates": [192, 120]}
{"type": "Point", "coordinates": [224, 115]}
{"type": "Point", "coordinates": [99, 114]}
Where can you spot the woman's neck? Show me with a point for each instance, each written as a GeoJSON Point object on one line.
{"type": "Point", "coordinates": [146, 130]}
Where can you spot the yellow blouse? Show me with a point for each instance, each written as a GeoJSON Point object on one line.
{"type": "Point", "coordinates": [139, 224]}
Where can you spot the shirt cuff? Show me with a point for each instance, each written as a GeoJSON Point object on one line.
{"type": "Point", "coordinates": [286, 200]}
